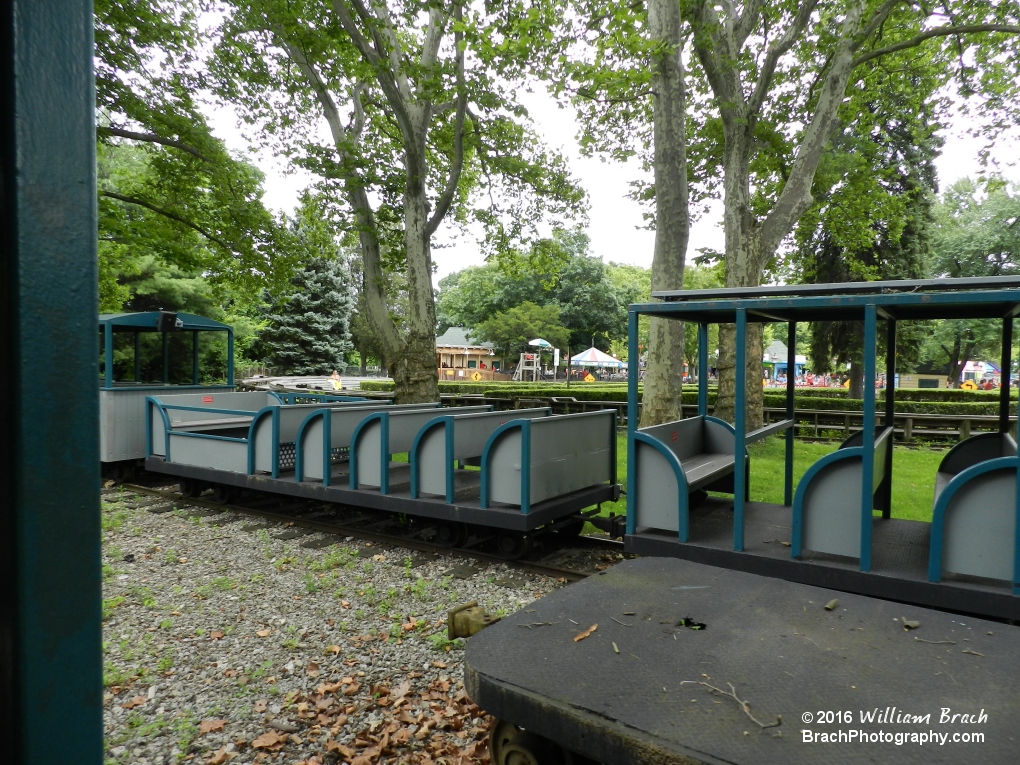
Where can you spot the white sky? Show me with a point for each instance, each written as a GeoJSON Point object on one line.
{"type": "Point", "coordinates": [615, 225]}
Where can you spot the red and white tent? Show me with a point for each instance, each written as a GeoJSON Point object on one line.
{"type": "Point", "coordinates": [593, 357]}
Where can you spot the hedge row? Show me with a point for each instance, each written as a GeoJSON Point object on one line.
{"type": "Point", "coordinates": [973, 408]}
{"type": "Point", "coordinates": [919, 401]}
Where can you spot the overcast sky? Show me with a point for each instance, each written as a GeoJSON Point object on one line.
{"type": "Point", "coordinates": [615, 224]}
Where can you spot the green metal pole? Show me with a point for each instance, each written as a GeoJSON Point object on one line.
{"type": "Point", "coordinates": [1006, 363]}
{"type": "Point", "coordinates": [108, 357]}
{"type": "Point", "coordinates": [138, 358]}
{"type": "Point", "coordinates": [702, 369]}
{"type": "Point", "coordinates": [194, 357]}
{"type": "Point", "coordinates": [51, 681]}
{"type": "Point", "coordinates": [885, 490]}
{"type": "Point", "coordinates": [166, 358]}
{"type": "Point", "coordinates": [791, 398]}
{"type": "Point", "coordinates": [868, 434]}
{"type": "Point", "coordinates": [739, 426]}
{"type": "Point", "coordinates": [633, 372]}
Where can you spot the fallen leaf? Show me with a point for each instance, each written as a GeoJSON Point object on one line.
{"type": "Point", "coordinates": [270, 740]}
{"type": "Point", "coordinates": [312, 669]}
{"type": "Point", "coordinates": [344, 604]}
{"type": "Point", "coordinates": [439, 664]}
{"type": "Point", "coordinates": [586, 633]}
{"type": "Point", "coordinates": [402, 736]}
{"type": "Point", "coordinates": [333, 649]}
{"type": "Point", "coordinates": [379, 558]}
{"type": "Point", "coordinates": [208, 726]}
{"type": "Point", "coordinates": [137, 701]}
{"type": "Point", "coordinates": [352, 689]}
{"type": "Point", "coordinates": [329, 688]}
{"type": "Point", "coordinates": [402, 690]}
{"type": "Point", "coordinates": [220, 756]}
{"type": "Point", "coordinates": [261, 705]}
{"type": "Point", "coordinates": [264, 633]}
{"type": "Point", "coordinates": [216, 634]}
{"type": "Point", "coordinates": [346, 751]}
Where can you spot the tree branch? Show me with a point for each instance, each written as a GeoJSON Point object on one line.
{"type": "Point", "coordinates": [152, 138]}
{"type": "Point", "coordinates": [393, 85]}
{"type": "Point", "coordinates": [776, 50]}
{"type": "Point", "coordinates": [457, 165]}
{"type": "Point", "coordinates": [795, 196]}
{"type": "Point", "coordinates": [170, 215]}
{"type": "Point", "coordinates": [748, 21]}
{"type": "Point", "coordinates": [944, 31]}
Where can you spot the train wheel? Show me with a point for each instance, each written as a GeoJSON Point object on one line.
{"type": "Point", "coordinates": [451, 534]}
{"type": "Point", "coordinates": [526, 748]}
{"type": "Point", "coordinates": [190, 487]}
{"type": "Point", "coordinates": [224, 495]}
{"type": "Point", "coordinates": [500, 734]}
{"type": "Point", "coordinates": [512, 545]}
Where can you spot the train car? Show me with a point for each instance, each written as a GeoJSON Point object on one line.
{"type": "Point", "coordinates": [511, 473]}
{"type": "Point", "coordinates": [148, 353]}
{"type": "Point", "coordinates": [168, 400]}
{"type": "Point", "coordinates": [159, 353]}
{"type": "Point", "coordinates": [742, 617]}
{"type": "Point", "coordinates": [826, 531]}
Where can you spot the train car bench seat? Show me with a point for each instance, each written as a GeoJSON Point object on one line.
{"type": "Point", "coordinates": [827, 515]}
{"type": "Point", "coordinates": [976, 514]}
{"type": "Point", "coordinates": [675, 459]}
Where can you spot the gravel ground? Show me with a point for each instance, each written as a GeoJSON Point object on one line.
{"type": "Point", "coordinates": [224, 642]}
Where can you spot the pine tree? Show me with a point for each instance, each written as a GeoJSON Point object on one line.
{"type": "Point", "coordinates": [309, 326]}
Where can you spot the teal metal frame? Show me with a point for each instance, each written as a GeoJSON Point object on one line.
{"type": "Point", "coordinates": [145, 321]}
{"type": "Point", "coordinates": [868, 302]}
{"type": "Point", "coordinates": [51, 665]}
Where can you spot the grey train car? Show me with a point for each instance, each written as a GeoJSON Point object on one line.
{"type": "Point", "coordinates": [153, 353]}
{"type": "Point", "coordinates": [168, 399]}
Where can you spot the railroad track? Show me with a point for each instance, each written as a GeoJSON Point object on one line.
{"type": "Point", "coordinates": [557, 556]}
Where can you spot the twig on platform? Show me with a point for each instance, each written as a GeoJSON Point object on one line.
{"type": "Point", "coordinates": [743, 704]}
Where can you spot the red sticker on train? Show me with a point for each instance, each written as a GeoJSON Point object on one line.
{"type": "Point", "coordinates": [206, 399]}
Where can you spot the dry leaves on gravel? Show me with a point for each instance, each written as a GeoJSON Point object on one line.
{"type": "Point", "coordinates": [208, 726]}
{"type": "Point", "coordinates": [418, 726]}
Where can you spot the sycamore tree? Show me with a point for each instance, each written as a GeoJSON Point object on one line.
{"type": "Point", "coordinates": [763, 89]}
{"type": "Point", "coordinates": [403, 107]}
{"type": "Point", "coordinates": [168, 188]}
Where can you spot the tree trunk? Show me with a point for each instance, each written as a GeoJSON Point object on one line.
{"type": "Point", "coordinates": [414, 368]}
{"type": "Point", "coordinates": [753, 388]}
{"type": "Point", "coordinates": [663, 384]}
{"type": "Point", "coordinates": [857, 380]}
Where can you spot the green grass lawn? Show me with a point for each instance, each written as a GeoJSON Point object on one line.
{"type": "Point", "coordinates": [913, 474]}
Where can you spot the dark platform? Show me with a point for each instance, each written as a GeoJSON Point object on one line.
{"type": "Point", "coordinates": [773, 640]}
{"type": "Point", "coordinates": [899, 559]}
{"type": "Point", "coordinates": [466, 510]}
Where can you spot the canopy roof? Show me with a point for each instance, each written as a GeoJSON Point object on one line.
{"type": "Point", "coordinates": [593, 357]}
{"type": "Point", "coordinates": [970, 298]}
{"type": "Point", "coordinates": [145, 321]}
